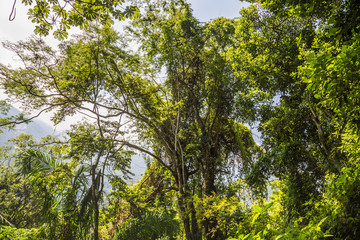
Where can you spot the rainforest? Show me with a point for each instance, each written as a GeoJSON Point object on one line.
{"type": "Point", "coordinates": [249, 127]}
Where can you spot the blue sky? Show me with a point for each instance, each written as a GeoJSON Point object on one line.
{"type": "Point", "coordinates": [205, 10]}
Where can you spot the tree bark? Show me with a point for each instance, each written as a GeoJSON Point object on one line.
{"type": "Point", "coordinates": [188, 216]}
{"type": "Point", "coordinates": [210, 224]}
{"type": "Point", "coordinates": [95, 203]}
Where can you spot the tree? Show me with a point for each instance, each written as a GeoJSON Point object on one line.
{"type": "Point", "coordinates": [266, 57]}
{"type": "Point", "coordinates": [181, 100]}
{"type": "Point", "coordinates": [186, 121]}
{"type": "Point", "coordinates": [339, 17]}
{"type": "Point", "coordinates": [199, 135]}
{"type": "Point", "coordinates": [73, 13]}
{"type": "Point", "coordinates": [317, 111]}
{"type": "Point", "coordinates": [96, 151]}
{"type": "Point", "coordinates": [59, 187]}
{"type": "Point", "coordinates": [145, 209]}
{"type": "Point", "coordinates": [35, 184]}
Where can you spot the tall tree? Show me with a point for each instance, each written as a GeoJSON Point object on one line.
{"type": "Point", "coordinates": [315, 98]}
{"type": "Point", "coordinates": [186, 121]}
{"type": "Point", "coordinates": [266, 56]}
{"type": "Point", "coordinates": [198, 133]}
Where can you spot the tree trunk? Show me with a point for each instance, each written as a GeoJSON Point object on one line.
{"type": "Point", "coordinates": [196, 233]}
{"type": "Point", "coordinates": [188, 216]}
{"type": "Point", "coordinates": [95, 203]}
{"type": "Point", "coordinates": [96, 221]}
{"type": "Point", "coordinates": [210, 224]}
{"type": "Point", "coordinates": [67, 233]}
{"type": "Point", "coordinates": [185, 218]}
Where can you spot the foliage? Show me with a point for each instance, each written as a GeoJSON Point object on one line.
{"type": "Point", "coordinates": [142, 207]}
{"type": "Point", "coordinates": [289, 68]}
{"type": "Point", "coordinates": [230, 210]}
{"type": "Point", "coordinates": [265, 222]}
{"type": "Point", "coordinates": [65, 14]}
{"type": "Point", "coordinates": [51, 191]}
{"type": "Point", "coordinates": [8, 233]}
{"type": "Point", "coordinates": [321, 104]}
{"type": "Point", "coordinates": [151, 225]}
{"type": "Point", "coordinates": [203, 134]}
{"type": "Point", "coordinates": [44, 191]}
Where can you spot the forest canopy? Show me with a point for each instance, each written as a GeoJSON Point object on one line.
{"type": "Point", "coordinates": [186, 96]}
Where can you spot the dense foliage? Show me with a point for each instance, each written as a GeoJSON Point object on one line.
{"type": "Point", "coordinates": [181, 93]}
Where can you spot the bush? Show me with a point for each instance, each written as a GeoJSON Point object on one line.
{"type": "Point", "coordinates": [152, 226]}
{"type": "Point", "coordinates": [11, 233]}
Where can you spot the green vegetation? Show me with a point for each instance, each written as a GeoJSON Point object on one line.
{"type": "Point", "coordinates": [183, 100]}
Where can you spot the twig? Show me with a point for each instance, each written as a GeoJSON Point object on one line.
{"type": "Point", "coordinates": [13, 12]}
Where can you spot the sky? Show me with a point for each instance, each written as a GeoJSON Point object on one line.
{"type": "Point", "coordinates": [21, 27]}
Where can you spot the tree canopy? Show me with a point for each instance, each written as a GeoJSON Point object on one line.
{"type": "Point", "coordinates": [60, 16]}
{"type": "Point", "coordinates": [184, 94]}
